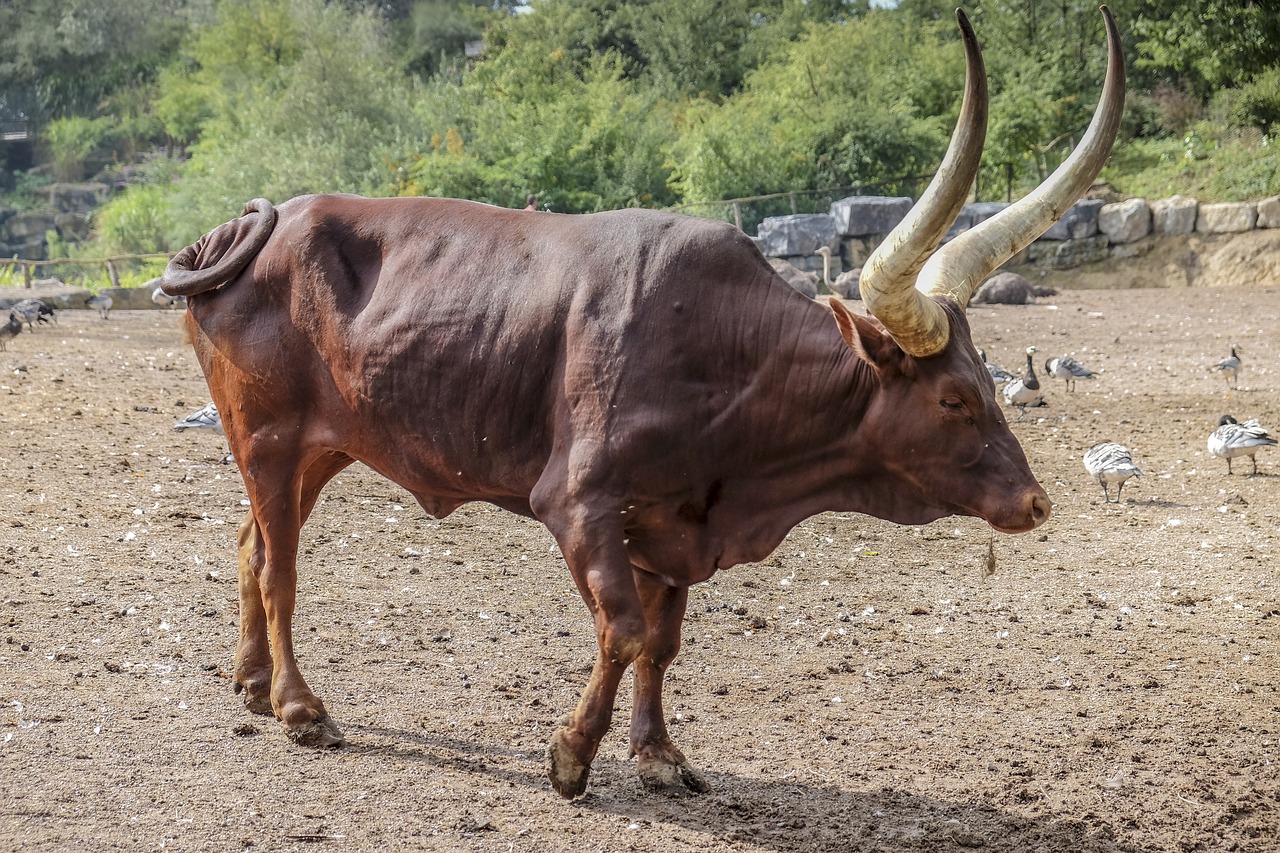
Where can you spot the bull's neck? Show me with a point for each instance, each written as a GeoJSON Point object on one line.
{"type": "Point", "coordinates": [823, 402]}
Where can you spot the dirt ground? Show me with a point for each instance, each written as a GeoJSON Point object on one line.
{"type": "Point", "coordinates": [1113, 686]}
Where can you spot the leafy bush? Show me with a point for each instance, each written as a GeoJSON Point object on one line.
{"type": "Point", "coordinates": [298, 101]}
{"type": "Point", "coordinates": [1211, 168]}
{"type": "Point", "coordinates": [26, 195]}
{"type": "Point", "coordinates": [134, 222]}
{"type": "Point", "coordinates": [70, 141]}
{"type": "Point", "coordinates": [1254, 104]}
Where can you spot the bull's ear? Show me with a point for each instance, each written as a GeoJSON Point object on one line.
{"type": "Point", "coordinates": [872, 343]}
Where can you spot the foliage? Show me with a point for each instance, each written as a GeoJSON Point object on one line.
{"type": "Point", "coordinates": [596, 104]}
{"type": "Point", "coordinates": [69, 142]}
{"type": "Point", "coordinates": [1210, 43]}
{"type": "Point", "coordinates": [530, 121]}
{"type": "Point", "coordinates": [26, 195]}
{"type": "Point", "coordinates": [138, 273]}
{"type": "Point", "coordinates": [296, 99]}
{"type": "Point", "coordinates": [64, 57]}
{"type": "Point", "coordinates": [436, 34]}
{"type": "Point", "coordinates": [135, 222]}
{"type": "Point", "coordinates": [810, 118]}
{"type": "Point", "coordinates": [1202, 164]}
{"type": "Point", "coordinates": [1254, 104]}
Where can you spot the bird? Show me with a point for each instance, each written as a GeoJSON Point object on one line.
{"type": "Point", "coordinates": [1110, 463]}
{"type": "Point", "coordinates": [33, 310]}
{"type": "Point", "coordinates": [998, 373]}
{"type": "Point", "coordinates": [1025, 391]}
{"type": "Point", "coordinates": [1232, 439]}
{"type": "Point", "coordinates": [1066, 367]}
{"type": "Point", "coordinates": [102, 302]}
{"type": "Point", "coordinates": [164, 300]}
{"type": "Point", "coordinates": [825, 251]}
{"type": "Point", "coordinates": [10, 329]}
{"type": "Point", "coordinates": [206, 417]}
{"type": "Point", "coordinates": [1229, 367]}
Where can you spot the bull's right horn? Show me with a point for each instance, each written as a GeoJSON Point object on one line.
{"type": "Point", "coordinates": [916, 322]}
{"type": "Point", "coordinates": [959, 267]}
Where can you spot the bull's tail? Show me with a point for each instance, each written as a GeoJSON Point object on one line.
{"type": "Point", "coordinates": [227, 250]}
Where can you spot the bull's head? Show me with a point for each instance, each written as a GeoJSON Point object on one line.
{"type": "Point", "coordinates": [924, 354]}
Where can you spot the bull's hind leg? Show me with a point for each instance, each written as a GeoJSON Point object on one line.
{"type": "Point", "coordinates": [660, 763]}
{"type": "Point", "coordinates": [266, 666]}
{"type": "Point", "coordinates": [253, 665]}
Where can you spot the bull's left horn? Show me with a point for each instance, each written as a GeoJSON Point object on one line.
{"type": "Point", "coordinates": [959, 267]}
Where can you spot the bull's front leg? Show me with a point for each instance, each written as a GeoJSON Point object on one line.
{"type": "Point", "coordinates": [660, 763]}
{"type": "Point", "coordinates": [592, 544]}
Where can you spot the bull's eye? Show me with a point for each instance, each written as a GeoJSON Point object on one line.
{"type": "Point", "coordinates": [951, 404]}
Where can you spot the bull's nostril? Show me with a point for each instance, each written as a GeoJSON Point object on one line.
{"type": "Point", "coordinates": [1040, 508]}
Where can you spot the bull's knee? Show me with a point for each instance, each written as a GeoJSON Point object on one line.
{"type": "Point", "coordinates": [621, 630]}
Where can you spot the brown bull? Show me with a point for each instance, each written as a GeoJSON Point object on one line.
{"type": "Point", "coordinates": [641, 383]}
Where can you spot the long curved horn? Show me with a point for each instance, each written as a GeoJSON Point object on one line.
{"type": "Point", "coordinates": [917, 323]}
{"type": "Point", "coordinates": [959, 267]}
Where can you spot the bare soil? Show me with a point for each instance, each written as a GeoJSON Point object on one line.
{"type": "Point", "coordinates": [1114, 685]}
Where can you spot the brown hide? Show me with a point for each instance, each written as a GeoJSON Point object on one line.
{"type": "Point", "coordinates": [642, 383]}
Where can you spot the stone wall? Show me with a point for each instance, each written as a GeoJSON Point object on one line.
{"type": "Point", "coordinates": [1089, 232]}
{"type": "Point", "coordinates": [24, 234]}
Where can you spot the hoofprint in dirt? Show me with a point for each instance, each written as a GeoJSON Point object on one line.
{"type": "Point", "coordinates": [1112, 686]}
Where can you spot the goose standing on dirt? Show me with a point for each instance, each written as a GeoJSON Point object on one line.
{"type": "Point", "coordinates": [1067, 368]}
{"type": "Point", "coordinates": [33, 311]}
{"type": "Point", "coordinates": [102, 302]}
{"type": "Point", "coordinates": [1232, 439]}
{"type": "Point", "coordinates": [1025, 391]}
{"type": "Point", "coordinates": [164, 300]}
{"type": "Point", "coordinates": [204, 418]}
{"type": "Point", "coordinates": [998, 373]}
{"type": "Point", "coordinates": [10, 329]}
{"type": "Point", "coordinates": [1108, 463]}
{"type": "Point", "coordinates": [1229, 367]}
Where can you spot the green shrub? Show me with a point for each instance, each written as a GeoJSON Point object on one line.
{"type": "Point", "coordinates": [1255, 104]}
{"type": "Point", "coordinates": [134, 221]}
{"type": "Point", "coordinates": [70, 141]}
{"type": "Point", "coordinates": [1233, 167]}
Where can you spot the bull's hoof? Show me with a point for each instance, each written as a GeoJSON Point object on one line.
{"type": "Point", "coordinates": [665, 775]}
{"type": "Point", "coordinates": [320, 732]}
{"type": "Point", "coordinates": [256, 701]}
{"type": "Point", "coordinates": [568, 775]}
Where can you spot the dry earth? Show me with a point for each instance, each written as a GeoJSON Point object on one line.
{"type": "Point", "coordinates": [1113, 686]}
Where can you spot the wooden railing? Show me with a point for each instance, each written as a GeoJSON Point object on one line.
{"type": "Point", "coordinates": [29, 267]}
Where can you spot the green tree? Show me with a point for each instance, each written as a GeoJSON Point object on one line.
{"type": "Point", "coordinates": [1209, 43]}
{"type": "Point", "coordinates": [63, 57]}
{"type": "Point", "coordinates": [282, 98]}
{"type": "Point", "coordinates": [842, 104]}
{"type": "Point", "coordinates": [527, 121]}
{"type": "Point", "coordinates": [436, 33]}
